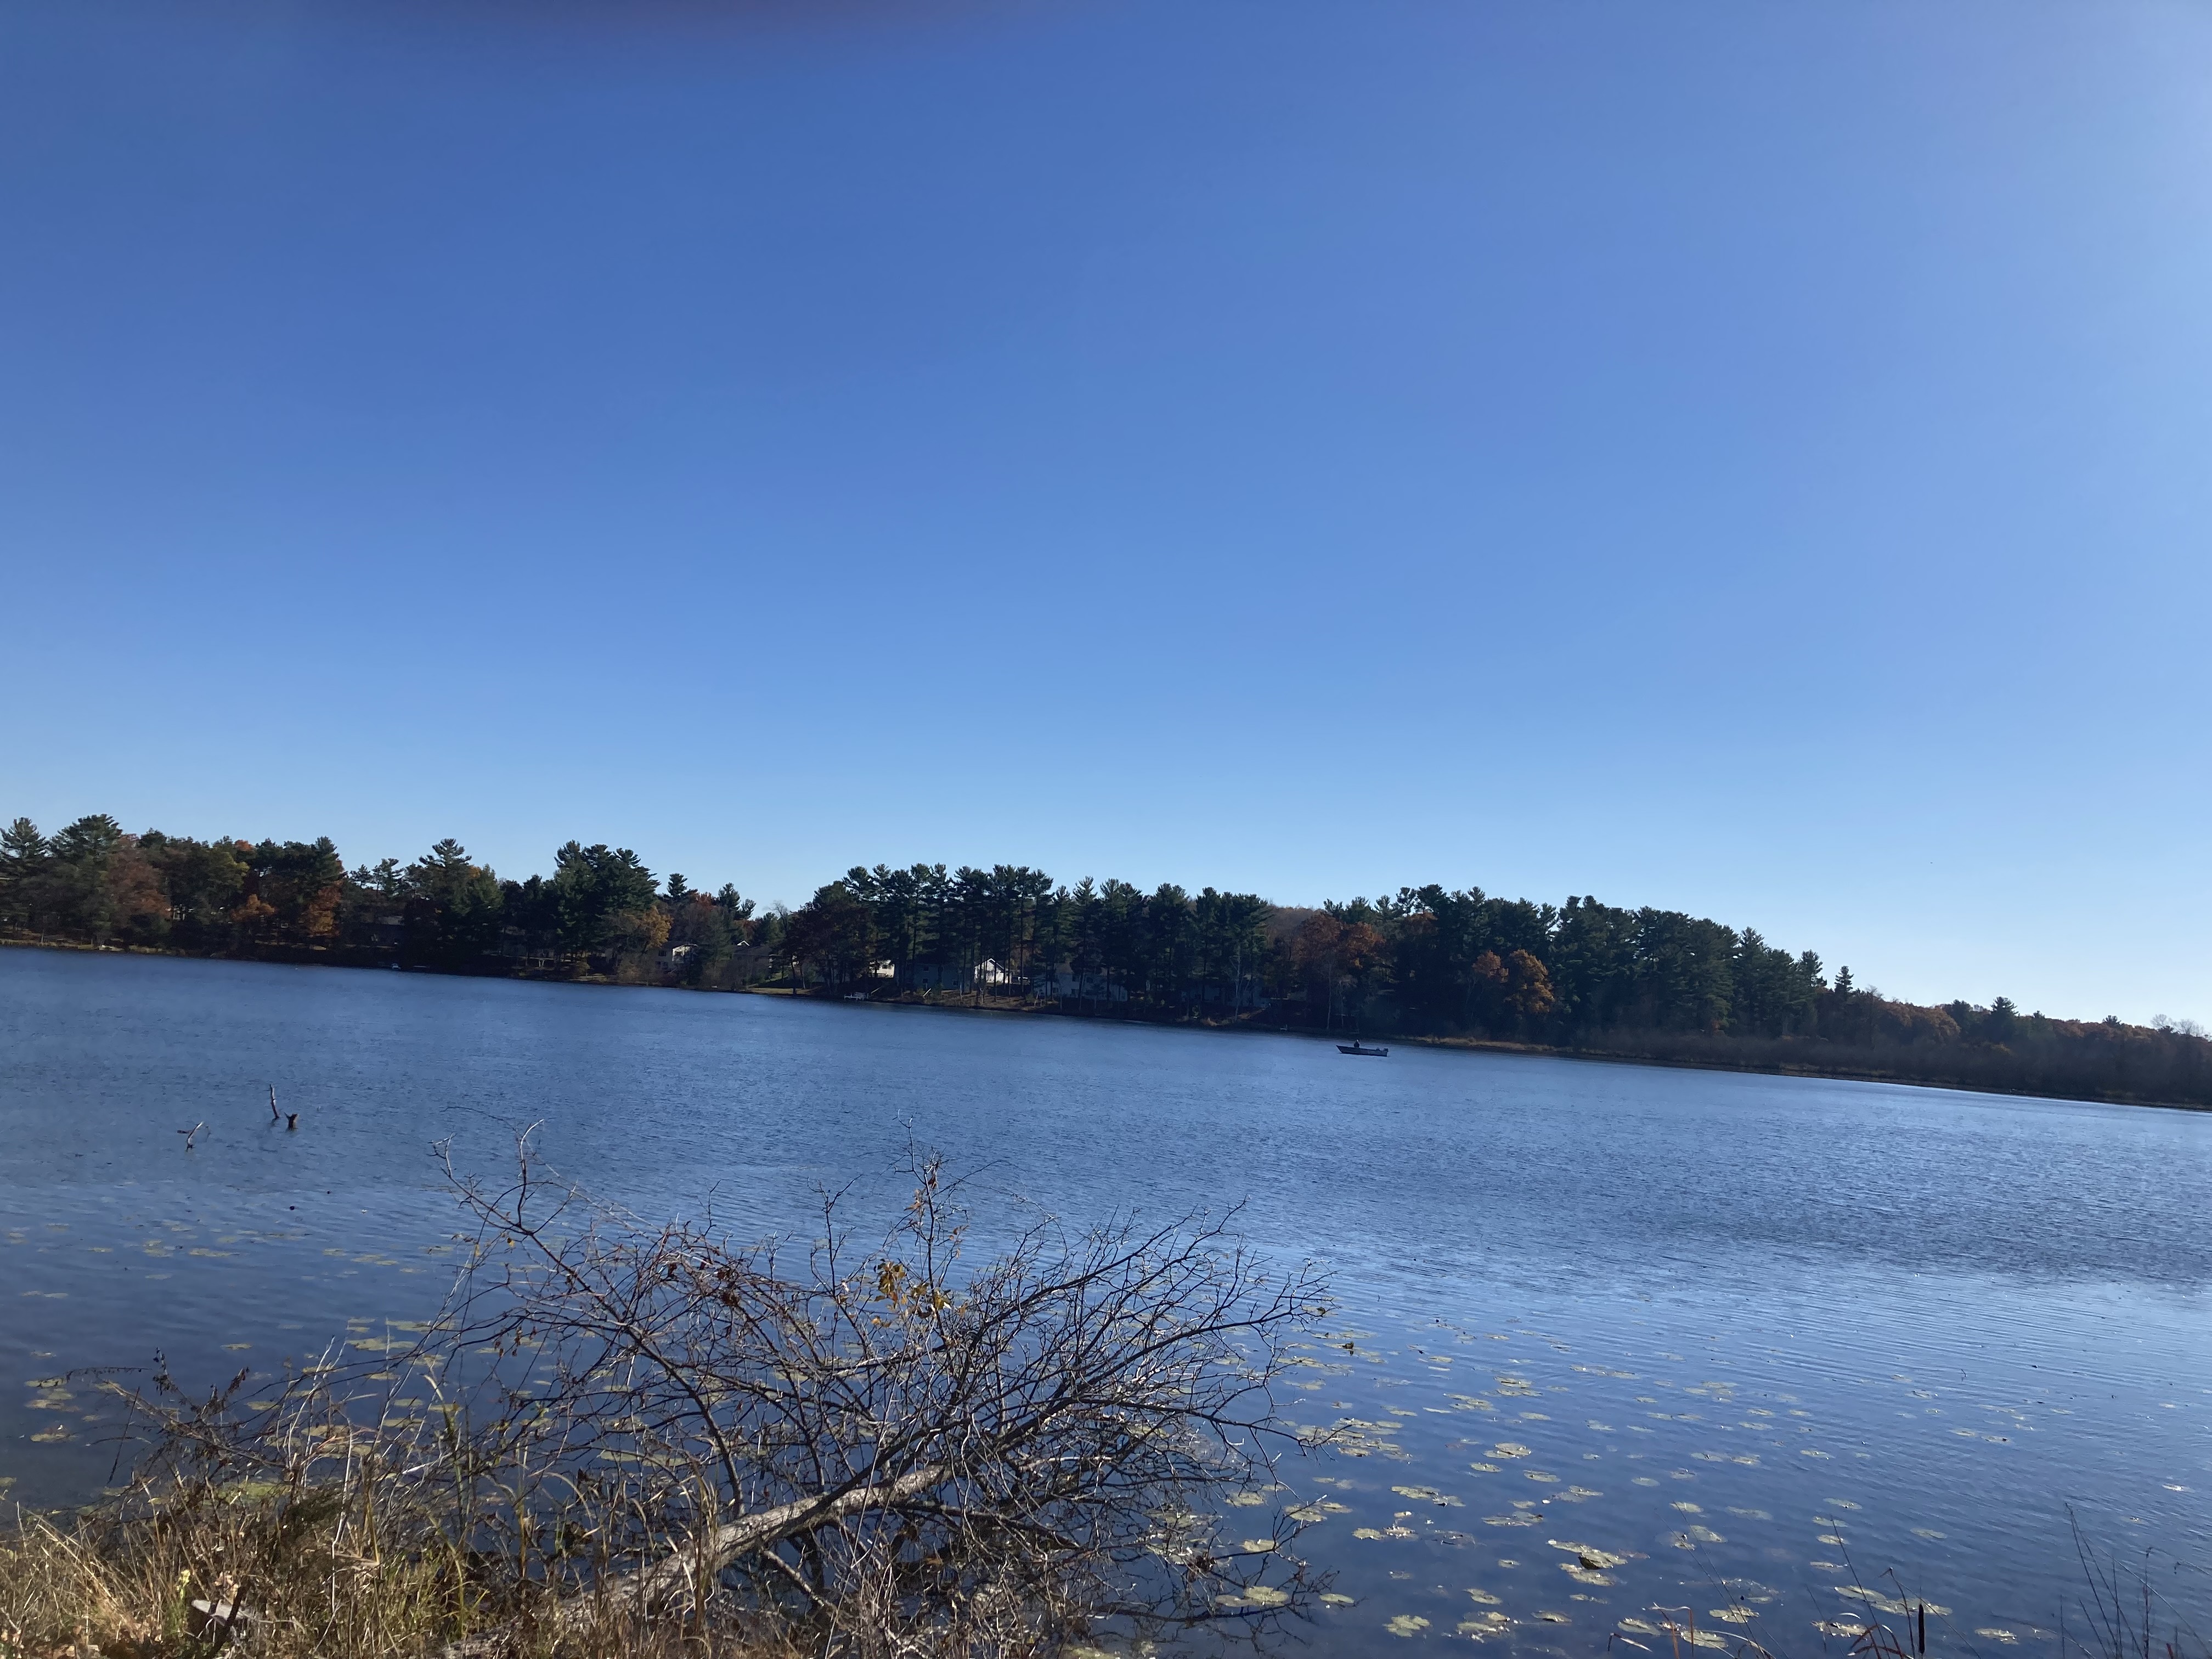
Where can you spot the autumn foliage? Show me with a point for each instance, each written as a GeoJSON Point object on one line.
{"type": "Point", "coordinates": [1424, 962]}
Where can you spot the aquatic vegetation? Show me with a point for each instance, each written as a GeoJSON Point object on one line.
{"type": "Point", "coordinates": [1255, 1595]}
{"type": "Point", "coordinates": [1589, 1556]}
{"type": "Point", "coordinates": [1889, 1604]}
{"type": "Point", "coordinates": [1428, 1494]}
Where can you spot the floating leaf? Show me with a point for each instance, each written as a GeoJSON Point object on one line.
{"type": "Point", "coordinates": [1589, 1556]}
{"type": "Point", "coordinates": [1698, 1638]}
{"type": "Point", "coordinates": [1406, 1624]}
{"type": "Point", "coordinates": [1875, 1598]}
{"type": "Point", "coordinates": [1258, 1595]}
{"type": "Point", "coordinates": [1428, 1494]}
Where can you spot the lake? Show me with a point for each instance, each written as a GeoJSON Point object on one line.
{"type": "Point", "coordinates": [1765, 1337]}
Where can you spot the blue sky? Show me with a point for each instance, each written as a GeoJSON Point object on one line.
{"type": "Point", "coordinates": [1750, 459]}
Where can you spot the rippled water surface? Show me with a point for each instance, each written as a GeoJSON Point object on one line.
{"type": "Point", "coordinates": [1761, 1337]}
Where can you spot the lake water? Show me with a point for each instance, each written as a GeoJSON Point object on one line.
{"type": "Point", "coordinates": [1765, 1337]}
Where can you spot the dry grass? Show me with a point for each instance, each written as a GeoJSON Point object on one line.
{"type": "Point", "coordinates": [316, 1577]}
{"type": "Point", "coordinates": [60, 1593]}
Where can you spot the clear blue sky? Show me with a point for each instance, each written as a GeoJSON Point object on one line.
{"type": "Point", "coordinates": [1755, 459]}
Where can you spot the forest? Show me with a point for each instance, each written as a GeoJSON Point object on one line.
{"type": "Point", "coordinates": [1429, 963]}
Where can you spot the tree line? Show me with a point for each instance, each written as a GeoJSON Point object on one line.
{"type": "Point", "coordinates": [1427, 961]}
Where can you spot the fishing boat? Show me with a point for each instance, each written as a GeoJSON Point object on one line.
{"type": "Point", "coordinates": [1358, 1048]}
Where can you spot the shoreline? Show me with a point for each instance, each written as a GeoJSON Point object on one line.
{"type": "Point", "coordinates": [1842, 1073]}
{"type": "Point", "coordinates": [1475, 1045]}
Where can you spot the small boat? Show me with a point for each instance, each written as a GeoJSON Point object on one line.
{"type": "Point", "coordinates": [1358, 1048]}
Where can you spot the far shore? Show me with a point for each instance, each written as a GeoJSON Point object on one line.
{"type": "Point", "coordinates": [1841, 1068]}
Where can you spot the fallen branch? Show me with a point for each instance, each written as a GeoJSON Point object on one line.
{"type": "Point", "coordinates": [617, 1427]}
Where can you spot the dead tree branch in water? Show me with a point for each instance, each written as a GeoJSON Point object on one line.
{"type": "Point", "coordinates": [875, 1450]}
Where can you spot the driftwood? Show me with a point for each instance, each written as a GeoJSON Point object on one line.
{"type": "Point", "coordinates": [677, 1577]}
